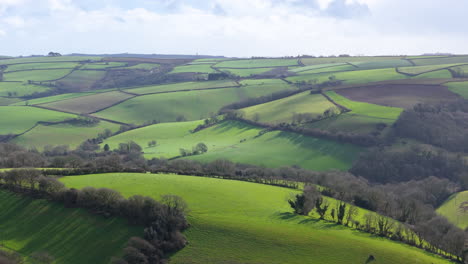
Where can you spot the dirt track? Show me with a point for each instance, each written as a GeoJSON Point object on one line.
{"type": "Point", "coordinates": [405, 96]}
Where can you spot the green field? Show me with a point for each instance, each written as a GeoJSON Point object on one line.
{"type": "Point", "coordinates": [282, 110]}
{"type": "Point", "coordinates": [90, 103]}
{"type": "Point", "coordinates": [353, 77]}
{"type": "Point", "coordinates": [36, 75]}
{"type": "Point", "coordinates": [246, 72]}
{"type": "Point", "coordinates": [62, 134]}
{"type": "Point", "coordinates": [351, 123]}
{"type": "Point", "coordinates": [20, 89]}
{"type": "Point", "coordinates": [4, 101]}
{"type": "Point", "coordinates": [182, 86]}
{"type": "Point", "coordinates": [379, 64]}
{"type": "Point", "coordinates": [192, 105]}
{"type": "Point", "coordinates": [81, 80]}
{"type": "Point", "coordinates": [264, 63]}
{"type": "Point", "coordinates": [47, 59]}
{"type": "Point", "coordinates": [72, 236]}
{"type": "Point", "coordinates": [447, 60]}
{"type": "Point", "coordinates": [339, 68]}
{"type": "Point", "coordinates": [198, 68]}
{"type": "Point", "coordinates": [17, 119]}
{"type": "Point", "coordinates": [442, 74]}
{"type": "Point", "coordinates": [460, 88]}
{"type": "Point", "coordinates": [422, 69]}
{"type": "Point", "coordinates": [240, 222]}
{"type": "Point", "coordinates": [452, 211]}
{"type": "Point", "coordinates": [102, 65]}
{"type": "Point", "coordinates": [325, 60]}
{"type": "Point", "coordinates": [38, 66]}
{"type": "Point", "coordinates": [316, 67]}
{"type": "Point", "coordinates": [54, 98]}
{"type": "Point", "coordinates": [366, 109]}
{"type": "Point", "coordinates": [142, 66]}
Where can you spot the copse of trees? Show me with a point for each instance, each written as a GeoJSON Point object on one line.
{"type": "Point", "coordinates": [163, 221]}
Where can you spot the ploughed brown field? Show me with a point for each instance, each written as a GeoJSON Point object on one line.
{"type": "Point", "coordinates": [404, 96]}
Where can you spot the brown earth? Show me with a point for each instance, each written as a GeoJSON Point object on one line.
{"type": "Point", "coordinates": [404, 96]}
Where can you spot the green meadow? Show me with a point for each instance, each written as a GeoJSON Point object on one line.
{"type": "Point", "coordinates": [282, 110]}
{"type": "Point", "coordinates": [20, 89]}
{"type": "Point", "coordinates": [181, 87]}
{"type": "Point", "coordinates": [366, 109]}
{"type": "Point", "coordinates": [198, 68]}
{"type": "Point", "coordinates": [263, 63]}
{"type": "Point", "coordinates": [445, 60]}
{"type": "Point", "coordinates": [39, 66]}
{"type": "Point", "coordinates": [48, 59]}
{"type": "Point", "coordinates": [351, 123]}
{"type": "Point", "coordinates": [452, 211]}
{"type": "Point", "coordinates": [36, 75]}
{"type": "Point", "coordinates": [82, 79]}
{"type": "Point", "coordinates": [353, 77]}
{"type": "Point", "coordinates": [71, 236]}
{"type": "Point", "coordinates": [241, 222]}
{"type": "Point", "coordinates": [246, 72]}
{"type": "Point", "coordinates": [391, 63]}
{"type": "Point", "coordinates": [54, 98]}
{"type": "Point", "coordinates": [339, 68]}
{"type": "Point", "coordinates": [17, 119]}
{"type": "Point", "coordinates": [460, 88]}
{"type": "Point", "coordinates": [102, 65]}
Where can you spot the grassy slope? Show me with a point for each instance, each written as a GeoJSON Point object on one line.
{"type": "Point", "coordinates": [181, 86]}
{"type": "Point", "coordinates": [21, 89]}
{"type": "Point", "coordinates": [423, 69]}
{"type": "Point", "coordinates": [62, 134]}
{"type": "Point", "coordinates": [199, 68]}
{"type": "Point", "coordinates": [350, 123]}
{"type": "Point", "coordinates": [142, 66]}
{"type": "Point", "coordinates": [102, 65]}
{"type": "Point", "coordinates": [90, 103]}
{"type": "Point", "coordinates": [282, 110]}
{"type": "Point", "coordinates": [344, 67]}
{"type": "Point", "coordinates": [450, 209]}
{"type": "Point", "coordinates": [246, 72]}
{"type": "Point", "coordinates": [36, 75]}
{"type": "Point", "coordinates": [54, 98]}
{"type": "Point", "coordinates": [82, 79]}
{"type": "Point", "coordinates": [274, 149]}
{"type": "Point", "coordinates": [257, 63]}
{"type": "Point", "coordinates": [366, 109]}
{"type": "Point", "coordinates": [239, 222]}
{"type": "Point", "coordinates": [449, 60]}
{"type": "Point", "coordinates": [47, 59]}
{"type": "Point", "coordinates": [35, 66]}
{"type": "Point", "coordinates": [442, 74]}
{"type": "Point", "coordinates": [4, 101]}
{"type": "Point", "coordinates": [316, 61]}
{"type": "Point", "coordinates": [353, 77]}
{"type": "Point", "coordinates": [391, 63]}
{"type": "Point", "coordinates": [72, 236]}
{"type": "Point", "coordinates": [17, 119]}
{"type": "Point", "coordinates": [460, 88]}
{"type": "Point", "coordinates": [193, 105]}
{"type": "Point", "coordinates": [316, 67]}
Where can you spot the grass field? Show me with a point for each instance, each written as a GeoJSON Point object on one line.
{"type": "Point", "coordinates": [446, 60]}
{"type": "Point", "coordinates": [239, 222]}
{"type": "Point", "coordinates": [282, 110]}
{"type": "Point", "coordinates": [20, 88]}
{"type": "Point", "coordinates": [38, 66]}
{"type": "Point", "coordinates": [422, 69]}
{"type": "Point", "coordinates": [379, 64]}
{"type": "Point", "coordinates": [192, 105]}
{"type": "Point", "coordinates": [62, 134]}
{"type": "Point", "coordinates": [102, 65]}
{"type": "Point", "coordinates": [4, 101]}
{"type": "Point", "coordinates": [90, 103]}
{"type": "Point", "coordinates": [316, 61]}
{"type": "Point", "coordinates": [142, 66]}
{"type": "Point", "coordinates": [182, 86]}
{"type": "Point", "coordinates": [81, 80]}
{"type": "Point", "coordinates": [199, 68]}
{"type": "Point", "coordinates": [351, 123]}
{"type": "Point", "coordinates": [451, 209]}
{"type": "Point", "coordinates": [17, 119]}
{"type": "Point", "coordinates": [339, 68]}
{"type": "Point", "coordinates": [72, 236]}
{"type": "Point", "coordinates": [47, 59]}
{"type": "Point", "coordinates": [266, 63]}
{"type": "Point", "coordinates": [353, 77]}
{"type": "Point", "coordinates": [316, 67]}
{"type": "Point", "coordinates": [54, 98]}
{"type": "Point", "coordinates": [36, 75]}
{"type": "Point", "coordinates": [442, 74]}
{"type": "Point", "coordinates": [366, 109]}
{"type": "Point", "coordinates": [246, 72]}
{"type": "Point", "coordinates": [460, 88]}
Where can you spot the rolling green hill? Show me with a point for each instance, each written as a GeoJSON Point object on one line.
{"type": "Point", "coordinates": [452, 211]}
{"type": "Point", "coordinates": [240, 222]}
{"type": "Point", "coordinates": [71, 236]}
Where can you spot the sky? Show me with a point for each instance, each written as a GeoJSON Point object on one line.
{"type": "Point", "coordinates": [234, 28]}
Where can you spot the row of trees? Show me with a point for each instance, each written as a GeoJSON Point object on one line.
{"type": "Point", "coordinates": [163, 220]}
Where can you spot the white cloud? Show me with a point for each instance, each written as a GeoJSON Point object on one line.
{"type": "Point", "coordinates": [239, 28]}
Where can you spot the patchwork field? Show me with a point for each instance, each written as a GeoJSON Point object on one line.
{"type": "Point", "coordinates": [453, 209]}
{"type": "Point", "coordinates": [460, 88]}
{"type": "Point", "coordinates": [379, 64]}
{"type": "Point", "coordinates": [102, 65]}
{"type": "Point", "coordinates": [416, 70]}
{"type": "Point", "coordinates": [142, 66]}
{"type": "Point", "coordinates": [31, 225]}
{"type": "Point", "coordinates": [351, 123]}
{"type": "Point", "coordinates": [263, 63]}
{"type": "Point", "coordinates": [48, 59]}
{"type": "Point", "coordinates": [339, 68]}
{"type": "Point", "coordinates": [191, 105]}
{"type": "Point", "coordinates": [17, 119]}
{"type": "Point", "coordinates": [39, 66]}
{"type": "Point", "coordinates": [15, 89]}
{"type": "Point", "coordinates": [246, 72]}
{"type": "Point", "coordinates": [36, 75]}
{"type": "Point", "coordinates": [282, 110]}
{"type": "Point", "coordinates": [81, 80]}
{"type": "Point", "coordinates": [182, 87]}
{"type": "Point", "coordinates": [404, 96]}
{"type": "Point", "coordinates": [240, 222]}
{"type": "Point", "coordinates": [445, 60]}
{"type": "Point", "coordinates": [90, 103]}
{"type": "Point", "coordinates": [315, 61]}
{"type": "Point", "coordinates": [366, 109]}
{"type": "Point", "coordinates": [198, 68]}
{"type": "Point", "coordinates": [55, 98]}
{"type": "Point", "coordinates": [62, 134]}
{"type": "Point", "coordinates": [4, 101]}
